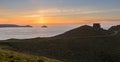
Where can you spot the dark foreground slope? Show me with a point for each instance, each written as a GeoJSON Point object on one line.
{"type": "Point", "coordinates": [12, 56]}
{"type": "Point", "coordinates": [83, 44]}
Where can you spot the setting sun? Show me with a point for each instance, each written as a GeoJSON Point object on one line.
{"type": "Point", "coordinates": [41, 20]}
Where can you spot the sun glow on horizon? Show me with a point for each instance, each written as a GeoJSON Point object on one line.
{"type": "Point", "coordinates": [41, 21]}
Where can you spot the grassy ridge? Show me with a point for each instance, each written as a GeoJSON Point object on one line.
{"type": "Point", "coordinates": [72, 47]}
{"type": "Point", "coordinates": [72, 50]}
{"type": "Point", "coordinates": [12, 56]}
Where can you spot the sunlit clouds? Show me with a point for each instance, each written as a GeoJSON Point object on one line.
{"type": "Point", "coordinates": [57, 16]}
{"type": "Point", "coordinates": [63, 12]}
{"type": "Point", "coordinates": [41, 12]}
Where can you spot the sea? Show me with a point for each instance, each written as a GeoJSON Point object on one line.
{"type": "Point", "coordinates": [35, 31]}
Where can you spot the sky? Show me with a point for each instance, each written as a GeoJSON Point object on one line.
{"type": "Point", "coordinates": [52, 12]}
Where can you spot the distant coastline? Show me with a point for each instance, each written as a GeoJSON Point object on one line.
{"type": "Point", "coordinates": [44, 26]}
{"type": "Point", "coordinates": [13, 25]}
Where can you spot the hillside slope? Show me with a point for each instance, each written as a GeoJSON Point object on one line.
{"type": "Point", "coordinates": [13, 56]}
{"type": "Point", "coordinates": [84, 31]}
{"type": "Point", "coordinates": [76, 45]}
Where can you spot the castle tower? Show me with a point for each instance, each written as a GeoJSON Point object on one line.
{"type": "Point", "coordinates": [96, 25]}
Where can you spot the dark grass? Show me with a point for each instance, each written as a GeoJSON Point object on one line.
{"type": "Point", "coordinates": [72, 48]}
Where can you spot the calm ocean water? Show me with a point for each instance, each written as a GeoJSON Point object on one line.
{"type": "Point", "coordinates": [25, 33]}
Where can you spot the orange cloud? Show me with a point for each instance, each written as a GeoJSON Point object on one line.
{"type": "Point", "coordinates": [55, 16]}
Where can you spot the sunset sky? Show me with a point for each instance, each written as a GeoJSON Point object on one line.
{"type": "Point", "coordinates": [41, 12]}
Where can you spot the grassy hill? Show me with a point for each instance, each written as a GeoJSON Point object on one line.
{"type": "Point", "coordinates": [84, 31]}
{"type": "Point", "coordinates": [83, 44]}
{"type": "Point", "coordinates": [12, 56]}
{"type": "Point", "coordinates": [114, 28]}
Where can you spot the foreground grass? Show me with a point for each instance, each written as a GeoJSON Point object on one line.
{"type": "Point", "coordinates": [96, 49]}
{"type": "Point", "coordinates": [12, 56]}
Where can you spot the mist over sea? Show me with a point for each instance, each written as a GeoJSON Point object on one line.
{"type": "Point", "coordinates": [35, 31]}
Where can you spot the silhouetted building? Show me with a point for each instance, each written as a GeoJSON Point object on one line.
{"type": "Point", "coordinates": [96, 25]}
